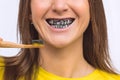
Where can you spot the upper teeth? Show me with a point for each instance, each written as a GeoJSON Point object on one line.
{"type": "Point", "coordinates": [60, 23]}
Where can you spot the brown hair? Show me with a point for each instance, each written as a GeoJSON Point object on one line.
{"type": "Point", "coordinates": [95, 43]}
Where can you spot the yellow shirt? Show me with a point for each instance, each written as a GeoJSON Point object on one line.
{"type": "Point", "coordinates": [1, 68]}
{"type": "Point", "coordinates": [44, 75]}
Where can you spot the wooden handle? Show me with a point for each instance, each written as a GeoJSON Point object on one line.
{"type": "Point", "coordinates": [7, 44]}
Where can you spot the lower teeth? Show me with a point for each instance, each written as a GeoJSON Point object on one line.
{"type": "Point", "coordinates": [59, 27]}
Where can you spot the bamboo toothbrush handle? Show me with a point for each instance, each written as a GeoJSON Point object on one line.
{"type": "Point", "coordinates": [7, 44]}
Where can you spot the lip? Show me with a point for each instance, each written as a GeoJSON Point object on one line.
{"type": "Point", "coordinates": [60, 30]}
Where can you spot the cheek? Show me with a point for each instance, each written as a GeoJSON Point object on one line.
{"type": "Point", "coordinates": [38, 11]}
{"type": "Point", "coordinates": [80, 7]}
{"type": "Point", "coordinates": [39, 8]}
{"type": "Point", "coordinates": [83, 12]}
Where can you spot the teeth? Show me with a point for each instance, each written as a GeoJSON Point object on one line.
{"type": "Point", "coordinates": [51, 21]}
{"type": "Point", "coordinates": [60, 23]}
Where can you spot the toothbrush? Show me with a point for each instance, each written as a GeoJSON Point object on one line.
{"type": "Point", "coordinates": [8, 44]}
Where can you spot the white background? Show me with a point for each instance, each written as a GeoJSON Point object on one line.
{"type": "Point", "coordinates": [8, 23]}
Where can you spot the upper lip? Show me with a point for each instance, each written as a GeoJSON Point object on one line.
{"type": "Point", "coordinates": [61, 18]}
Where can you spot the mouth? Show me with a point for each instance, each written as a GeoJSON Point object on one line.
{"type": "Point", "coordinates": [60, 23]}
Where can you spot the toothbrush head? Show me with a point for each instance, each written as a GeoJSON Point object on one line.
{"type": "Point", "coordinates": [37, 42]}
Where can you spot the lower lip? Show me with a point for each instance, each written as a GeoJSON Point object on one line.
{"type": "Point", "coordinates": [60, 29]}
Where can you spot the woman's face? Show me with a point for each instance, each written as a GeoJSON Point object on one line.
{"type": "Point", "coordinates": [60, 22]}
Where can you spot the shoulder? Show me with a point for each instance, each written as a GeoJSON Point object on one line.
{"type": "Point", "coordinates": [108, 76]}
{"type": "Point", "coordinates": [2, 66]}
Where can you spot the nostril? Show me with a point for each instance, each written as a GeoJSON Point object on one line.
{"type": "Point", "coordinates": [58, 10]}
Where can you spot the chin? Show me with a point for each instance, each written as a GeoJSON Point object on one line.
{"type": "Point", "coordinates": [60, 44]}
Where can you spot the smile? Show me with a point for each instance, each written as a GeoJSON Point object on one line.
{"type": "Point", "coordinates": [60, 23]}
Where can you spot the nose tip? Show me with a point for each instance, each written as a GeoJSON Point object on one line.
{"type": "Point", "coordinates": [59, 6]}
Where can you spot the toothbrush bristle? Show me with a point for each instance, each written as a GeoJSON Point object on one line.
{"type": "Point", "coordinates": [37, 42]}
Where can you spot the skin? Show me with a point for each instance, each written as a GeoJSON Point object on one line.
{"type": "Point", "coordinates": [63, 51]}
{"type": "Point", "coordinates": [1, 39]}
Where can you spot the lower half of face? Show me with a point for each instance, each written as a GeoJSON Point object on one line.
{"type": "Point", "coordinates": [60, 32]}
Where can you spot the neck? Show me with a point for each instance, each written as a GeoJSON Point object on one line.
{"type": "Point", "coordinates": [66, 62]}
